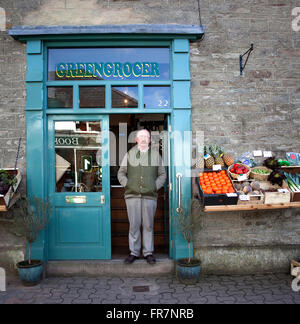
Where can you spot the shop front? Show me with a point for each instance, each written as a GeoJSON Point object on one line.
{"type": "Point", "coordinates": [88, 91]}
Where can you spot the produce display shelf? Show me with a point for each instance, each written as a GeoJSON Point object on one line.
{"type": "Point", "coordinates": [224, 208]}
{"type": "Point", "coordinates": [15, 198]}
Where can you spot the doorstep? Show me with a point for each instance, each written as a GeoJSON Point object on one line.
{"type": "Point", "coordinates": [112, 268]}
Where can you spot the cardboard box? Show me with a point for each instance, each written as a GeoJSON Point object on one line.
{"type": "Point", "coordinates": [293, 170]}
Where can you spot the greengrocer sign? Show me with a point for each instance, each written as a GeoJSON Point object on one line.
{"type": "Point", "coordinates": [109, 69]}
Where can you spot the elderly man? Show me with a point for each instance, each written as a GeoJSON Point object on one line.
{"type": "Point", "coordinates": [142, 174]}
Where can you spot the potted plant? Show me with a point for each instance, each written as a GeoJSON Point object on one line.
{"type": "Point", "coordinates": [188, 269]}
{"type": "Point", "coordinates": [29, 220]}
{"type": "Point", "coordinates": [6, 181]}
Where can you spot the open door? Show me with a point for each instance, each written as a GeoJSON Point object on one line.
{"type": "Point", "coordinates": [78, 188]}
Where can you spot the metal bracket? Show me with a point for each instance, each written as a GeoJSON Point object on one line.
{"type": "Point", "coordinates": [242, 67]}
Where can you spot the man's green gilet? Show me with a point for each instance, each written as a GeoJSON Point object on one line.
{"type": "Point", "coordinates": [142, 172]}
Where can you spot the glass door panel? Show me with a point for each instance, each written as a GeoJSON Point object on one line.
{"type": "Point", "coordinates": [78, 151]}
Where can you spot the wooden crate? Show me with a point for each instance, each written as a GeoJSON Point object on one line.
{"type": "Point", "coordinates": [295, 268]}
{"type": "Point", "coordinates": [6, 200]}
{"type": "Point", "coordinates": [293, 170]}
{"type": "Point", "coordinates": [254, 200]}
{"type": "Point", "coordinates": [276, 197]}
{"type": "Point", "coordinates": [295, 196]}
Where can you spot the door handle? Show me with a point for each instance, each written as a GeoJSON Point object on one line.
{"type": "Point", "coordinates": [179, 176]}
{"type": "Point", "coordinates": [102, 200]}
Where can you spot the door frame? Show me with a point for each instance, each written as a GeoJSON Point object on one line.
{"type": "Point", "coordinates": [37, 119]}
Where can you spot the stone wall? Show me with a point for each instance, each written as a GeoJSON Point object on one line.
{"type": "Point", "coordinates": [259, 110]}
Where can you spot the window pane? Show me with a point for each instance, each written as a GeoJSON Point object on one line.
{"type": "Point", "coordinates": [124, 97]}
{"type": "Point", "coordinates": [92, 97]}
{"type": "Point", "coordinates": [157, 97]}
{"type": "Point", "coordinates": [60, 97]}
{"type": "Point", "coordinates": [78, 156]}
{"type": "Point", "coordinates": [120, 64]}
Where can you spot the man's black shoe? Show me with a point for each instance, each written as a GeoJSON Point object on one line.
{"type": "Point", "coordinates": [150, 259]}
{"type": "Point", "coordinates": [130, 259]}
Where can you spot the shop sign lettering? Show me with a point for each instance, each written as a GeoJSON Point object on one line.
{"type": "Point", "coordinates": [106, 70]}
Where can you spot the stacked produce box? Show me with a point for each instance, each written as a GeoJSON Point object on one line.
{"type": "Point", "coordinates": [245, 181]}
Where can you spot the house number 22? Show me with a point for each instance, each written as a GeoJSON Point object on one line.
{"type": "Point", "coordinates": [163, 103]}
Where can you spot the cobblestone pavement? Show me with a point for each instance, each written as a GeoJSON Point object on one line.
{"type": "Point", "coordinates": [254, 289]}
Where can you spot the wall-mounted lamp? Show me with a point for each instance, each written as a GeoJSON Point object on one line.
{"type": "Point", "coordinates": [242, 67]}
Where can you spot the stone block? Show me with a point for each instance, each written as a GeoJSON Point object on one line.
{"type": "Point", "coordinates": [222, 260]}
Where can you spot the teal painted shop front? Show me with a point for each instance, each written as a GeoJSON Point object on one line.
{"type": "Point", "coordinates": [68, 143]}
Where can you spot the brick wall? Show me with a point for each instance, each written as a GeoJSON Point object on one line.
{"type": "Point", "coordinates": [259, 110]}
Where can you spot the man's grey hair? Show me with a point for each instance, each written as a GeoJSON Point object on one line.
{"type": "Point", "coordinates": [141, 130]}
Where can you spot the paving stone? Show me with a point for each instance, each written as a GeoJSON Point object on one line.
{"type": "Point", "coordinates": [67, 301]}
{"type": "Point", "coordinates": [166, 301]}
{"type": "Point", "coordinates": [181, 295]}
{"type": "Point", "coordinates": [227, 299]}
{"type": "Point", "coordinates": [105, 301]}
{"type": "Point", "coordinates": [13, 301]}
{"type": "Point", "coordinates": [199, 300]}
{"type": "Point", "coordinates": [53, 301]}
{"type": "Point", "coordinates": [97, 301]}
{"type": "Point", "coordinates": [82, 301]}
{"type": "Point", "coordinates": [212, 300]}
{"type": "Point", "coordinates": [154, 300]}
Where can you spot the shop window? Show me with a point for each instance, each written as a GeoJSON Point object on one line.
{"type": "Point", "coordinates": [157, 97]}
{"type": "Point", "coordinates": [124, 97]}
{"type": "Point", "coordinates": [123, 63]}
{"type": "Point", "coordinates": [78, 162]}
{"type": "Point", "coordinates": [60, 97]}
{"type": "Point", "coordinates": [92, 97]}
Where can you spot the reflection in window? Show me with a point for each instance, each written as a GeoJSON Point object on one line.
{"type": "Point", "coordinates": [157, 97]}
{"type": "Point", "coordinates": [78, 152]}
{"type": "Point", "coordinates": [124, 97]}
{"type": "Point", "coordinates": [60, 97]}
{"type": "Point", "coordinates": [92, 97]}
